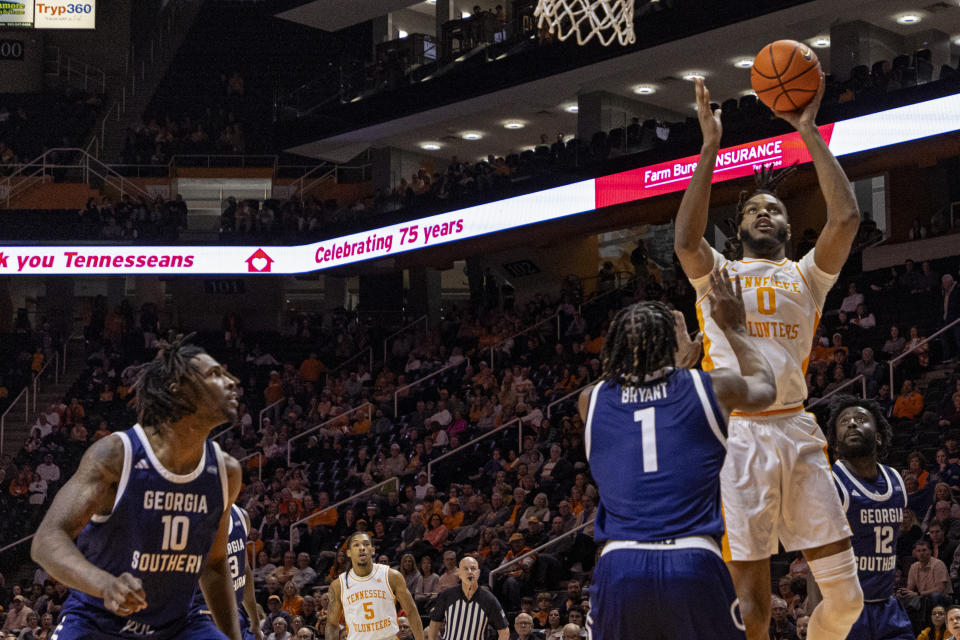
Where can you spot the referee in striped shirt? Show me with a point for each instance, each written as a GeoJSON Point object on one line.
{"type": "Point", "coordinates": [467, 609]}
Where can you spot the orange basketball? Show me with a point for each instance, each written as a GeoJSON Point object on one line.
{"type": "Point", "coordinates": [785, 75]}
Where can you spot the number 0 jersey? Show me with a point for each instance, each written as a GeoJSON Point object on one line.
{"type": "Point", "coordinates": [641, 443]}
{"type": "Point", "coordinates": [369, 606]}
{"type": "Point", "coordinates": [875, 511]}
{"type": "Point", "coordinates": [160, 530]}
{"type": "Point", "coordinates": [783, 301]}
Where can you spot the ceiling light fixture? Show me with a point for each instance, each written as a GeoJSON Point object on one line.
{"type": "Point", "coordinates": [471, 135]}
{"type": "Point", "coordinates": [956, 40]}
{"type": "Point", "coordinates": [430, 146]}
{"type": "Point", "coordinates": [464, 14]}
{"type": "Point", "coordinates": [572, 108]}
{"type": "Point", "coordinates": [693, 75]}
{"type": "Point", "coordinates": [513, 124]}
{"type": "Point", "coordinates": [402, 34]}
{"type": "Point", "coordinates": [820, 42]}
{"type": "Point", "coordinates": [743, 63]}
{"type": "Point", "coordinates": [644, 89]}
{"type": "Point", "coordinates": [909, 18]}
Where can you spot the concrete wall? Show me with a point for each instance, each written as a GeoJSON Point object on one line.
{"type": "Point", "coordinates": [106, 46]}
{"type": "Point", "coordinates": [23, 76]}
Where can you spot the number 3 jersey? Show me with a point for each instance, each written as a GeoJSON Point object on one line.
{"type": "Point", "coordinates": [655, 451]}
{"type": "Point", "coordinates": [160, 530]}
{"type": "Point", "coordinates": [783, 301]}
{"type": "Point", "coordinates": [875, 511]}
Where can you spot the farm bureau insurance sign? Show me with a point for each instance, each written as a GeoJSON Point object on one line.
{"type": "Point", "coordinates": [872, 131]}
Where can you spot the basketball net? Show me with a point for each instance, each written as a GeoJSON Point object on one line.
{"type": "Point", "coordinates": [608, 20]}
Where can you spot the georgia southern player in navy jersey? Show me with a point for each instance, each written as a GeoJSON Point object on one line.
{"type": "Point", "coordinates": [647, 425]}
{"type": "Point", "coordinates": [874, 497]}
{"type": "Point", "coordinates": [242, 577]}
{"type": "Point", "coordinates": [146, 514]}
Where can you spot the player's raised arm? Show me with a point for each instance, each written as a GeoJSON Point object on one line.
{"type": "Point", "coordinates": [399, 587]}
{"type": "Point", "coordinates": [843, 215]}
{"type": "Point", "coordinates": [250, 593]}
{"type": "Point", "coordinates": [755, 388]}
{"type": "Point", "coordinates": [688, 241]}
{"type": "Point", "coordinates": [89, 492]}
{"type": "Point", "coordinates": [215, 581]}
{"type": "Point", "coordinates": [334, 611]}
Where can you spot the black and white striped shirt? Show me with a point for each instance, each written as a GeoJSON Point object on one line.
{"type": "Point", "coordinates": [467, 618]}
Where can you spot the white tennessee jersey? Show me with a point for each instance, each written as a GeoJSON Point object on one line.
{"type": "Point", "coordinates": [784, 302]}
{"type": "Point", "coordinates": [369, 604]}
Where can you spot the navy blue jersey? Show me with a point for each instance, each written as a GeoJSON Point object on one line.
{"type": "Point", "coordinates": [237, 561]}
{"type": "Point", "coordinates": [875, 511]}
{"type": "Point", "coordinates": [642, 443]}
{"type": "Point", "coordinates": [160, 530]}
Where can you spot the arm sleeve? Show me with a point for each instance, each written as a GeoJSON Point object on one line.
{"type": "Point", "coordinates": [819, 281]}
{"type": "Point", "coordinates": [498, 619]}
{"type": "Point", "coordinates": [439, 607]}
{"type": "Point", "coordinates": [702, 284]}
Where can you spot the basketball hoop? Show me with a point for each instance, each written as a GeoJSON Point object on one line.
{"type": "Point", "coordinates": [608, 20]}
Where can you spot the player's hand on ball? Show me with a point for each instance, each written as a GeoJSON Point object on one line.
{"type": "Point", "coordinates": [710, 124]}
{"type": "Point", "coordinates": [808, 115]}
{"type": "Point", "coordinates": [688, 351]}
{"type": "Point", "coordinates": [726, 304]}
{"type": "Point", "coordinates": [124, 595]}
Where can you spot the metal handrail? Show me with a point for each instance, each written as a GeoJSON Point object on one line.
{"type": "Point", "coordinates": [259, 466]}
{"type": "Point", "coordinates": [396, 394]}
{"type": "Point", "coordinates": [564, 398]}
{"type": "Point", "coordinates": [353, 497]}
{"type": "Point", "coordinates": [243, 160]}
{"type": "Point", "coordinates": [555, 316]}
{"type": "Point", "coordinates": [303, 186]}
{"type": "Point", "coordinates": [264, 411]}
{"type": "Point", "coordinates": [893, 361]}
{"type": "Point", "coordinates": [426, 322]}
{"type": "Point", "coordinates": [354, 357]}
{"type": "Point", "coordinates": [366, 405]}
{"type": "Point", "coordinates": [3, 418]}
{"type": "Point", "coordinates": [474, 441]}
{"type": "Point", "coordinates": [43, 369]}
{"type": "Point", "coordinates": [17, 543]}
{"type": "Point", "coordinates": [863, 390]}
{"type": "Point", "coordinates": [546, 544]}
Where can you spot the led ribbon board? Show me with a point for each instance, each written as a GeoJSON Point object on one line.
{"type": "Point", "coordinates": [863, 133]}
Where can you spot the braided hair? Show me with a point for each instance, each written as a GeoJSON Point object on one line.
{"type": "Point", "coordinates": [642, 339]}
{"type": "Point", "coordinates": [159, 384]}
{"type": "Point", "coordinates": [767, 180]}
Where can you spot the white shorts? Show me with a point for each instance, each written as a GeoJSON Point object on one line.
{"type": "Point", "coordinates": [776, 485]}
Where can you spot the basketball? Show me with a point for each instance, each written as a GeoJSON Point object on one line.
{"type": "Point", "coordinates": [785, 75]}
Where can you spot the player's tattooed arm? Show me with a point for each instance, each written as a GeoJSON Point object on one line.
{"type": "Point", "coordinates": [334, 610]}
{"type": "Point", "coordinates": [90, 491]}
{"type": "Point", "coordinates": [692, 249]}
{"type": "Point", "coordinates": [409, 605]}
{"type": "Point", "coordinates": [754, 388]}
{"type": "Point", "coordinates": [215, 581]}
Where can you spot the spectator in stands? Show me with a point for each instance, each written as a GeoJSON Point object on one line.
{"type": "Point", "coordinates": [938, 625]}
{"type": "Point", "coordinates": [951, 416]}
{"type": "Point", "coordinates": [928, 582]}
{"type": "Point", "coordinates": [429, 581]}
{"type": "Point", "coordinates": [523, 628]}
{"type": "Point", "coordinates": [17, 616]}
{"type": "Point", "coordinates": [895, 343]}
{"type": "Point", "coordinates": [852, 300]}
{"type": "Point", "coordinates": [449, 577]}
{"type": "Point", "coordinates": [292, 600]}
{"type": "Point", "coordinates": [780, 626]}
{"type": "Point", "coordinates": [909, 404]}
{"type": "Point", "coordinates": [940, 547]}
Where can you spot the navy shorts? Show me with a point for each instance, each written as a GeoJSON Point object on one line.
{"type": "Point", "coordinates": [677, 594]}
{"type": "Point", "coordinates": [74, 626]}
{"type": "Point", "coordinates": [885, 620]}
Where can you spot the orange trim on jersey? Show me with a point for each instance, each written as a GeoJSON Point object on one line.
{"type": "Point", "coordinates": [707, 362]}
{"type": "Point", "coordinates": [810, 292]}
{"type": "Point", "coordinates": [725, 540]}
{"type": "Point", "coordinates": [779, 263]}
{"type": "Point", "coordinates": [796, 409]}
{"type": "Point", "coordinates": [370, 576]}
{"type": "Point", "coordinates": [816, 323]}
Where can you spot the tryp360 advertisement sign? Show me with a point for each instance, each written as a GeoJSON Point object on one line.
{"type": "Point", "coordinates": [62, 14]}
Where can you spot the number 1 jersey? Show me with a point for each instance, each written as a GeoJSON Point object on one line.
{"type": "Point", "coordinates": [655, 451]}
{"type": "Point", "coordinates": [160, 530]}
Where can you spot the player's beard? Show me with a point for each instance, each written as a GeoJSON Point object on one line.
{"type": "Point", "coordinates": [865, 449]}
{"type": "Point", "coordinates": [764, 245]}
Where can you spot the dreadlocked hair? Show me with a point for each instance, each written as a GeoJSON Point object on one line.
{"type": "Point", "coordinates": [884, 430]}
{"type": "Point", "coordinates": [767, 180]}
{"type": "Point", "coordinates": [159, 384]}
{"type": "Point", "coordinates": [642, 339]}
